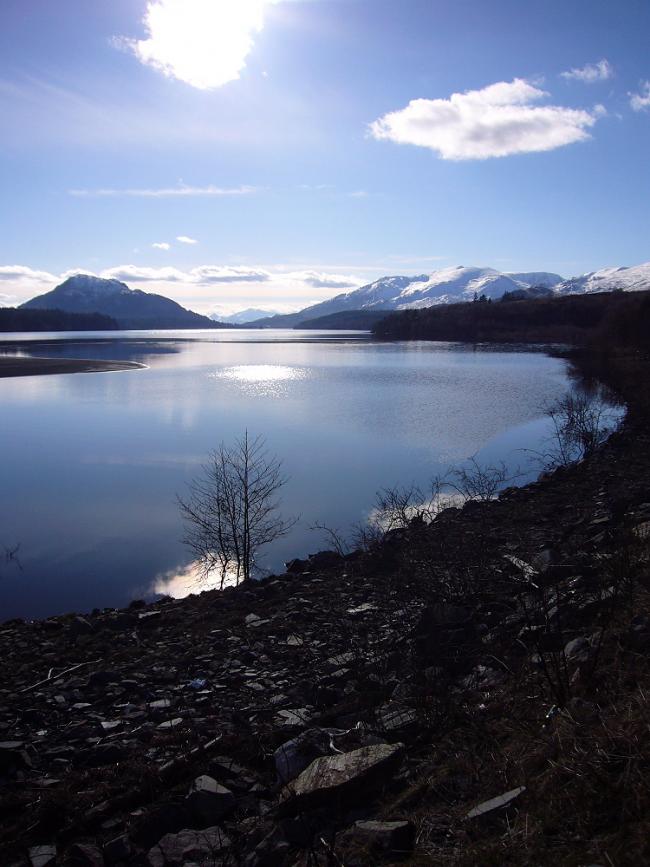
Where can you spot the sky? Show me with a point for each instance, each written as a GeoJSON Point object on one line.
{"type": "Point", "coordinates": [274, 153]}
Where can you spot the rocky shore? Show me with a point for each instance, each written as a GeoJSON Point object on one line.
{"type": "Point", "coordinates": [473, 691]}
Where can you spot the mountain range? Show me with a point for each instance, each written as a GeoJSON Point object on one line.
{"type": "Point", "coordinates": [451, 285]}
{"type": "Point", "coordinates": [242, 317]}
{"type": "Point", "coordinates": [131, 308]}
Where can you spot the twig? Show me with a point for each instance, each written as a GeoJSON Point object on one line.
{"type": "Point", "coordinates": [61, 674]}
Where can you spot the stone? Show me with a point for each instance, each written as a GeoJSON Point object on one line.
{"type": "Point", "coordinates": [295, 755]}
{"type": "Point", "coordinates": [80, 626]}
{"type": "Point", "coordinates": [331, 778]}
{"type": "Point", "coordinates": [13, 756]}
{"type": "Point", "coordinates": [394, 717]}
{"type": "Point", "coordinates": [499, 803]}
{"type": "Point", "coordinates": [118, 849]}
{"type": "Point", "coordinates": [208, 801]}
{"type": "Point", "coordinates": [395, 838]}
{"type": "Point", "coordinates": [175, 850]}
{"type": "Point", "coordinates": [85, 855]}
{"type": "Point", "coordinates": [42, 856]}
{"type": "Point", "coordinates": [577, 649]}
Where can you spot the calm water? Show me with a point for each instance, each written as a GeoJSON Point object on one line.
{"type": "Point", "coordinates": [92, 463]}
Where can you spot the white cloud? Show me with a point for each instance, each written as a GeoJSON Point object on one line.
{"type": "Point", "coordinates": [184, 239]}
{"type": "Point", "coordinates": [280, 286]}
{"type": "Point", "coordinates": [591, 72]}
{"type": "Point", "coordinates": [166, 192]}
{"type": "Point", "coordinates": [19, 273]}
{"type": "Point", "coordinates": [496, 121]}
{"type": "Point", "coordinates": [161, 245]}
{"type": "Point", "coordinates": [203, 43]}
{"type": "Point", "coordinates": [641, 101]}
{"type": "Point", "coordinates": [319, 280]}
{"type": "Point", "coordinates": [137, 274]}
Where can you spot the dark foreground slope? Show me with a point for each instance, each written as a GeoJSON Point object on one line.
{"type": "Point", "coordinates": [475, 691]}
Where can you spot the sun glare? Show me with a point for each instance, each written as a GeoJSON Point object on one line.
{"type": "Point", "coordinates": [201, 42]}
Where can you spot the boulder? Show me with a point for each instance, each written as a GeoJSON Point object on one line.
{"type": "Point", "coordinates": [333, 778]}
{"type": "Point", "coordinates": [175, 850]}
{"type": "Point", "coordinates": [390, 838]}
{"type": "Point", "coordinates": [208, 801]}
{"type": "Point", "coordinates": [295, 755]}
{"type": "Point", "coordinates": [85, 855]}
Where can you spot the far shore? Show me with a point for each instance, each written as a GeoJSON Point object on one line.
{"type": "Point", "coordinates": [15, 366]}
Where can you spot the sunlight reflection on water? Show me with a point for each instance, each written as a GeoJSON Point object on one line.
{"type": "Point", "coordinates": [184, 581]}
{"type": "Point", "coordinates": [262, 379]}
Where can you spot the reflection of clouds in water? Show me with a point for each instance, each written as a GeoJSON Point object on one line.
{"type": "Point", "coordinates": [186, 580]}
{"type": "Point", "coordinates": [267, 380]}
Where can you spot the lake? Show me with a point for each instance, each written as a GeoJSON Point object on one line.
{"type": "Point", "coordinates": [92, 463]}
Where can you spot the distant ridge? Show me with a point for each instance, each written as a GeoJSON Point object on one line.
{"type": "Point", "coordinates": [457, 284]}
{"type": "Point", "coordinates": [130, 308]}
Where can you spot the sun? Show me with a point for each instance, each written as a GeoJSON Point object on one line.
{"type": "Point", "coordinates": [204, 43]}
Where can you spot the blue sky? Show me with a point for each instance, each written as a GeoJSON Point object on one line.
{"type": "Point", "coordinates": [298, 148]}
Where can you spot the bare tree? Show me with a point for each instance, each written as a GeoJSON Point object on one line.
{"type": "Point", "coordinates": [232, 509]}
{"type": "Point", "coordinates": [581, 423]}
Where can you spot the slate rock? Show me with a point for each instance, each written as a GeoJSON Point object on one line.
{"type": "Point", "coordinates": [292, 757]}
{"type": "Point", "coordinates": [208, 801]}
{"type": "Point", "coordinates": [175, 850]}
{"type": "Point", "coordinates": [392, 838]}
{"type": "Point", "coordinates": [501, 802]}
{"type": "Point", "coordinates": [42, 856]}
{"type": "Point", "coordinates": [331, 778]}
{"type": "Point", "coordinates": [85, 855]}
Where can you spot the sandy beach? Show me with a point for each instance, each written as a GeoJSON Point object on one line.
{"type": "Point", "coordinates": [14, 366]}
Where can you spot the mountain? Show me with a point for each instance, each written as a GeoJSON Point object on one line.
{"type": "Point", "coordinates": [445, 286]}
{"type": "Point", "coordinates": [242, 317]}
{"type": "Point", "coordinates": [630, 279]}
{"type": "Point", "coordinates": [131, 308]}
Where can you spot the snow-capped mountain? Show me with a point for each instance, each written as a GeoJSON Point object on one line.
{"type": "Point", "coordinates": [132, 308]}
{"type": "Point", "coordinates": [445, 286]}
{"type": "Point", "coordinates": [630, 279]}
{"type": "Point", "coordinates": [242, 316]}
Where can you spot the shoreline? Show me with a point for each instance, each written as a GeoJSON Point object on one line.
{"type": "Point", "coordinates": [461, 694]}
{"type": "Point", "coordinates": [11, 366]}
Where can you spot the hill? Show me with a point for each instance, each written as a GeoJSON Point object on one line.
{"type": "Point", "coordinates": [131, 308]}
{"type": "Point", "coordinates": [352, 320]}
{"type": "Point", "coordinates": [14, 319]}
{"type": "Point", "coordinates": [604, 317]}
{"type": "Point", "coordinates": [423, 290]}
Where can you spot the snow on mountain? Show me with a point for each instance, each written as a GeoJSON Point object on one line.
{"type": "Point", "coordinates": [631, 279]}
{"type": "Point", "coordinates": [445, 286]}
{"type": "Point", "coordinates": [132, 308]}
{"type": "Point", "coordinates": [242, 317]}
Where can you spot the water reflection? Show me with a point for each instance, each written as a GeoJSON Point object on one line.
{"type": "Point", "coordinates": [92, 465]}
{"type": "Point", "coordinates": [187, 580]}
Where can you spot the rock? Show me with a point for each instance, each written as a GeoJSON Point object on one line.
{"type": "Point", "coordinates": [118, 850]}
{"type": "Point", "coordinates": [149, 827]}
{"type": "Point", "coordinates": [499, 803]}
{"type": "Point", "coordinates": [394, 838]}
{"type": "Point", "coordinates": [175, 850]}
{"type": "Point", "coordinates": [208, 801]}
{"type": "Point", "coordinates": [85, 855]}
{"type": "Point", "coordinates": [324, 559]}
{"type": "Point", "coordinates": [295, 755]}
{"type": "Point", "coordinates": [577, 649]}
{"type": "Point", "coordinates": [331, 778]}
{"type": "Point", "coordinates": [13, 756]}
{"type": "Point", "coordinates": [42, 856]}
{"type": "Point", "coordinates": [296, 566]}
{"type": "Point", "coordinates": [80, 626]}
{"type": "Point", "coordinates": [395, 717]}
{"type": "Point", "coordinates": [149, 619]}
